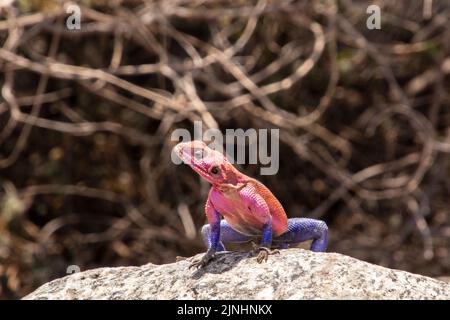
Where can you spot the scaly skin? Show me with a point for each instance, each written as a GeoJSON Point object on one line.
{"type": "Point", "coordinates": [249, 209]}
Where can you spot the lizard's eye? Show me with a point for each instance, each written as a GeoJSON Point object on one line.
{"type": "Point", "coordinates": [215, 170]}
{"type": "Point", "coordinates": [198, 153]}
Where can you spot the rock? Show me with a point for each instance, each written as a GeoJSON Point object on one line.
{"type": "Point", "coordinates": [292, 274]}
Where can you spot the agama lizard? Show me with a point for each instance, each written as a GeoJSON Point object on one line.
{"type": "Point", "coordinates": [249, 209]}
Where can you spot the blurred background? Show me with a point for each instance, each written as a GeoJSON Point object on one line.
{"type": "Point", "coordinates": [86, 114]}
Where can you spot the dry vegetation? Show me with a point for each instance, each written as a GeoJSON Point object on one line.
{"type": "Point", "coordinates": [86, 117]}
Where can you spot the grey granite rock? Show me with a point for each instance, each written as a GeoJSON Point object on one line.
{"type": "Point", "coordinates": [293, 274]}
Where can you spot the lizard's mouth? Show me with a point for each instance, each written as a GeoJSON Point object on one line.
{"type": "Point", "coordinates": [183, 154]}
{"type": "Point", "coordinates": [178, 149]}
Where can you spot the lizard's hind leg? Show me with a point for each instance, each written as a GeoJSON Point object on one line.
{"type": "Point", "coordinates": [303, 229]}
{"type": "Point", "coordinates": [227, 235]}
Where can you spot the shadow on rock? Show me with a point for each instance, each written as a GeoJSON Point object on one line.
{"type": "Point", "coordinates": [223, 262]}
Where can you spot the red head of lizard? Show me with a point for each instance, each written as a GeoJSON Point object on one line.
{"type": "Point", "coordinates": [210, 164]}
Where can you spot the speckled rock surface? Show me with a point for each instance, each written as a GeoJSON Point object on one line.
{"type": "Point", "coordinates": [293, 274]}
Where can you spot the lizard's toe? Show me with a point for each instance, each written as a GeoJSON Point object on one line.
{"type": "Point", "coordinates": [200, 263]}
{"type": "Point", "coordinates": [264, 252]}
{"type": "Point", "coordinates": [197, 264]}
{"type": "Point", "coordinates": [262, 256]}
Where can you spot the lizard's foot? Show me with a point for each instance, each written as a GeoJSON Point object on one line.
{"type": "Point", "coordinates": [264, 252]}
{"type": "Point", "coordinates": [200, 263]}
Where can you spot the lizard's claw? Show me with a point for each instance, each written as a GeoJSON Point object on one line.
{"type": "Point", "coordinates": [200, 263]}
{"type": "Point", "coordinates": [264, 252]}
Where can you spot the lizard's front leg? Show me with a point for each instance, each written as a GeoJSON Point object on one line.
{"type": "Point", "coordinates": [266, 242]}
{"type": "Point", "coordinates": [214, 236]}
{"type": "Point", "coordinates": [213, 246]}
